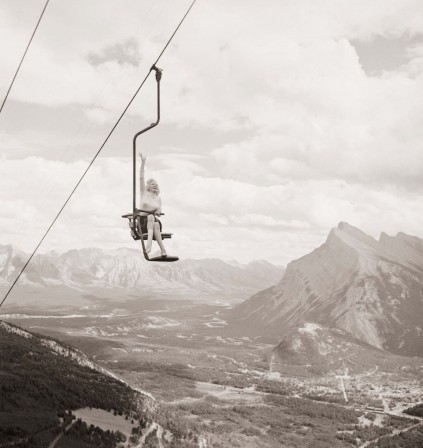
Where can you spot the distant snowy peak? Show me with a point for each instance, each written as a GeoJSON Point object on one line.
{"type": "Point", "coordinates": [127, 268]}
{"type": "Point", "coordinates": [369, 288]}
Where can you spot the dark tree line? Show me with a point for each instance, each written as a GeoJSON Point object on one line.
{"type": "Point", "coordinates": [407, 439]}
{"type": "Point", "coordinates": [415, 410]}
{"type": "Point", "coordinates": [38, 387]}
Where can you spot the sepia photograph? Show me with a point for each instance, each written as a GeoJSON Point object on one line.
{"type": "Point", "coordinates": [211, 224]}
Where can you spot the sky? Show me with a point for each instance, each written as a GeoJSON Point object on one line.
{"type": "Point", "coordinates": [279, 120]}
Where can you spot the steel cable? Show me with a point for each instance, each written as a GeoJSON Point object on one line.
{"type": "Point", "coordinates": [95, 156]}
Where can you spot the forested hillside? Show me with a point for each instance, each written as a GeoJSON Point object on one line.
{"type": "Point", "coordinates": [39, 385]}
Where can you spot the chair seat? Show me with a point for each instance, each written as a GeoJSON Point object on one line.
{"type": "Point", "coordinates": [134, 225]}
{"type": "Point", "coordinates": [164, 236]}
{"type": "Point", "coordinates": [130, 215]}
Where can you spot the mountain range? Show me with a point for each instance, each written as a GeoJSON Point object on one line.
{"type": "Point", "coordinates": [127, 268]}
{"type": "Point", "coordinates": [371, 289]}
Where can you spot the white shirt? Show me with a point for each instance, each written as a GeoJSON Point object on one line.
{"type": "Point", "coordinates": [150, 202]}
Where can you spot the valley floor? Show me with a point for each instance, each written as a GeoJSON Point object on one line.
{"type": "Point", "coordinates": [213, 388]}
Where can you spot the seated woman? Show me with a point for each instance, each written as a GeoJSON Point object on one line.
{"type": "Point", "coordinates": [150, 202]}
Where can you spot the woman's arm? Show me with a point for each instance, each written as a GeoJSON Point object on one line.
{"type": "Point", "coordinates": [159, 210]}
{"type": "Point", "coordinates": [142, 176]}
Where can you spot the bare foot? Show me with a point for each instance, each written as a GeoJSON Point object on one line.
{"type": "Point", "coordinates": [148, 248]}
{"type": "Point", "coordinates": [164, 254]}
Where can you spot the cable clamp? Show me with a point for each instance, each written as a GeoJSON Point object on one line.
{"type": "Point", "coordinates": [158, 72]}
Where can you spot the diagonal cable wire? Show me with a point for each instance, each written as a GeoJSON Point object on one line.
{"type": "Point", "coordinates": [95, 157]}
{"type": "Point", "coordinates": [23, 57]}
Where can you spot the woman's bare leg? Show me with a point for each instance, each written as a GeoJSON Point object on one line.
{"type": "Point", "coordinates": [150, 231]}
{"type": "Point", "coordinates": [159, 240]}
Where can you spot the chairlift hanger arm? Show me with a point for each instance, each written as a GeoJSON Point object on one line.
{"type": "Point", "coordinates": [134, 142]}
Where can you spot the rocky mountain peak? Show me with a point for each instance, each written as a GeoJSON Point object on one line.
{"type": "Point", "coordinates": [353, 237]}
{"type": "Point", "coordinates": [371, 289]}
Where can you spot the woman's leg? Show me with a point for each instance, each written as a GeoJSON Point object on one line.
{"type": "Point", "coordinates": [150, 231]}
{"type": "Point", "coordinates": [159, 240]}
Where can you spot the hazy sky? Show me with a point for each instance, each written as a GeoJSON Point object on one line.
{"type": "Point", "coordinates": [279, 120]}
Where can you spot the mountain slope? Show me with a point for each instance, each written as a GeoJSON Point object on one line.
{"type": "Point", "coordinates": [311, 349]}
{"type": "Point", "coordinates": [371, 289]}
{"type": "Point", "coordinates": [127, 268]}
{"type": "Point", "coordinates": [41, 379]}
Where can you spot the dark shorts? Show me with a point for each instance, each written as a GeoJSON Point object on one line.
{"type": "Point", "coordinates": [143, 221]}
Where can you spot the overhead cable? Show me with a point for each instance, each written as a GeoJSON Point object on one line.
{"type": "Point", "coordinates": [96, 155]}
{"type": "Point", "coordinates": [23, 57]}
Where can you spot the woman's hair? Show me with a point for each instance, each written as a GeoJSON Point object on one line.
{"type": "Point", "coordinates": [148, 183]}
